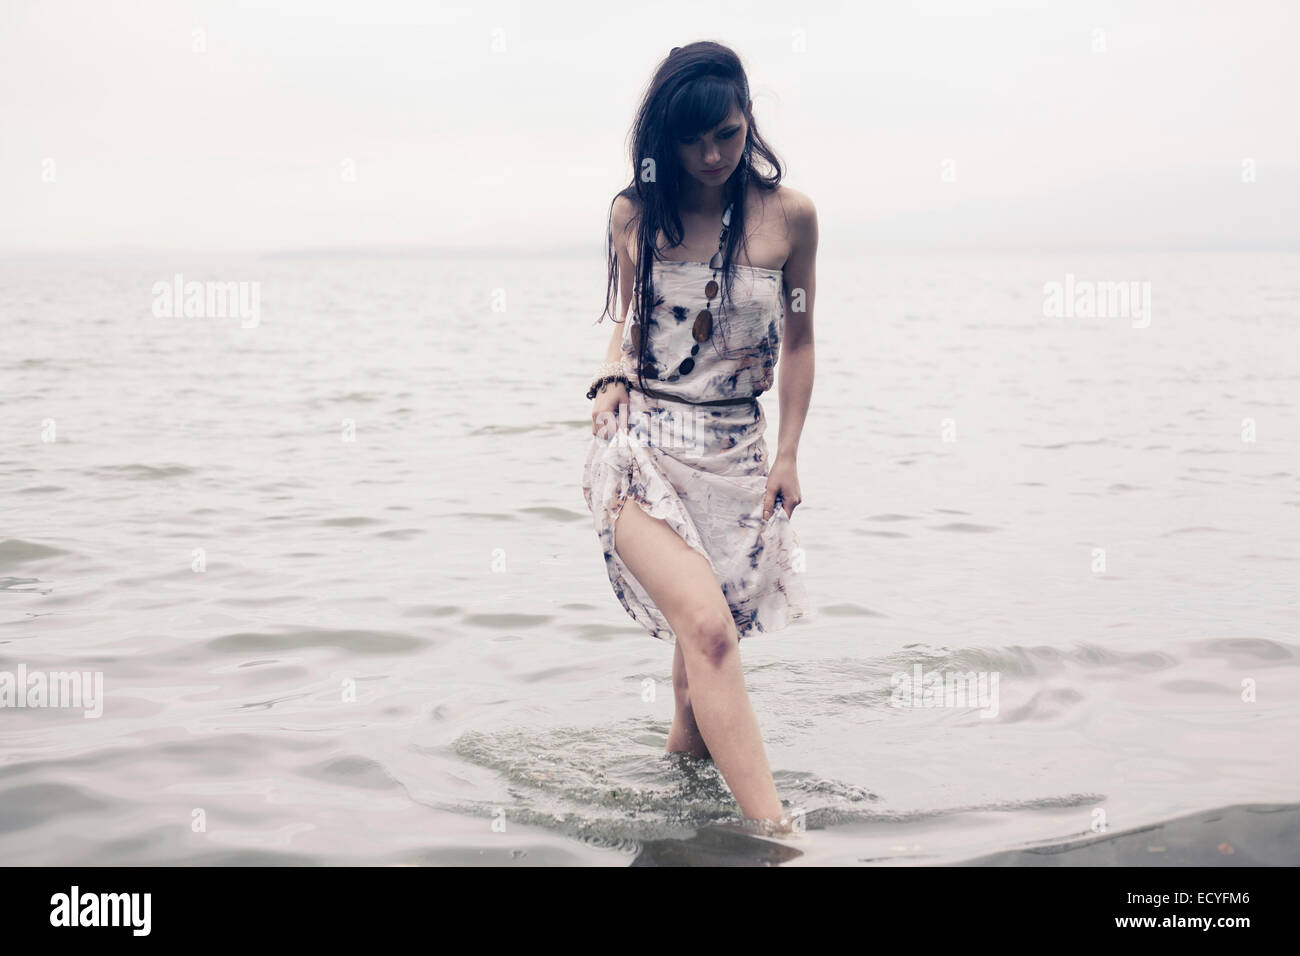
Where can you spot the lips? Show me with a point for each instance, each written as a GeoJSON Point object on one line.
{"type": "Point", "coordinates": [716, 169]}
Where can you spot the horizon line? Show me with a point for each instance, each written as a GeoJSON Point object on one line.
{"type": "Point", "coordinates": [582, 250]}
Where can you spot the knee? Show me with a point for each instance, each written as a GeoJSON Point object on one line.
{"type": "Point", "coordinates": [711, 635]}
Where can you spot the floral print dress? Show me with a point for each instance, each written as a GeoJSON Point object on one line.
{"type": "Point", "coordinates": [703, 468]}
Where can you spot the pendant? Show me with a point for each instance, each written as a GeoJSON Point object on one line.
{"type": "Point", "coordinates": [703, 327]}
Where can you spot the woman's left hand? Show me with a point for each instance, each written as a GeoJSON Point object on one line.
{"type": "Point", "coordinates": [784, 481]}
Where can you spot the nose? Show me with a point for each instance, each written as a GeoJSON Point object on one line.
{"type": "Point", "coordinates": [712, 155]}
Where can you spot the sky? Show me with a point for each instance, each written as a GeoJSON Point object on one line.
{"type": "Point", "coordinates": [289, 125]}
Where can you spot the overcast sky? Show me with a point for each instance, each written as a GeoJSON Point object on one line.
{"type": "Point", "coordinates": [118, 135]}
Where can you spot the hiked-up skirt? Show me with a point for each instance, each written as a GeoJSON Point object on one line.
{"type": "Point", "coordinates": [703, 470]}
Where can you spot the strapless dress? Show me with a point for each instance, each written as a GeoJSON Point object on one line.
{"type": "Point", "coordinates": [703, 467]}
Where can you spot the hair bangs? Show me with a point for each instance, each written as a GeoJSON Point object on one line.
{"type": "Point", "coordinates": [699, 105]}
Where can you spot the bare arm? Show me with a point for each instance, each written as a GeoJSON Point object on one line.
{"type": "Point", "coordinates": [609, 400]}
{"type": "Point", "coordinates": [796, 364]}
{"type": "Point", "coordinates": [619, 218]}
{"type": "Point", "coordinates": [795, 372]}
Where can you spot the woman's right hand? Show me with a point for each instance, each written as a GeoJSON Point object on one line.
{"type": "Point", "coordinates": [609, 410]}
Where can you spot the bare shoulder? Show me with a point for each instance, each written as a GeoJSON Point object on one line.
{"type": "Point", "coordinates": [801, 214]}
{"type": "Point", "coordinates": [622, 217]}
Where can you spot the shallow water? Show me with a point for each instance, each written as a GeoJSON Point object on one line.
{"type": "Point", "coordinates": [404, 648]}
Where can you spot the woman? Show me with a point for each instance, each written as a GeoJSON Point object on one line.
{"type": "Point", "coordinates": [695, 525]}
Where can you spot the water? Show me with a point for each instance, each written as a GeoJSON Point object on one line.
{"type": "Point", "coordinates": [403, 648]}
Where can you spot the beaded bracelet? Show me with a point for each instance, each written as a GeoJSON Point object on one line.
{"type": "Point", "coordinates": [600, 383]}
{"type": "Point", "coordinates": [610, 372]}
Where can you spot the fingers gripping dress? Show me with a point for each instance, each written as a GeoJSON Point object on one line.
{"type": "Point", "coordinates": [703, 468]}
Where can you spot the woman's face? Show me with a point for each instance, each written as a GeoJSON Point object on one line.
{"type": "Point", "coordinates": [713, 155]}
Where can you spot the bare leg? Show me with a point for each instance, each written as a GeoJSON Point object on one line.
{"type": "Point", "coordinates": [685, 733]}
{"type": "Point", "coordinates": [683, 586]}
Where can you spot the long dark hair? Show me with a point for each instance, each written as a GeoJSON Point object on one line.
{"type": "Point", "coordinates": [692, 91]}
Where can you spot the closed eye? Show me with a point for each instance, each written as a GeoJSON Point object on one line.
{"type": "Point", "coordinates": [725, 134]}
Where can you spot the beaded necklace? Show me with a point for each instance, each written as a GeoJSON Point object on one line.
{"type": "Point", "coordinates": [703, 327]}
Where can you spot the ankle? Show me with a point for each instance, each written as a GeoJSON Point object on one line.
{"type": "Point", "coordinates": [767, 826]}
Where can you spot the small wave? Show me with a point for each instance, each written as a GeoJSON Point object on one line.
{"type": "Point", "coordinates": [353, 641]}
{"type": "Point", "coordinates": [965, 526]}
{"type": "Point", "coordinates": [507, 621]}
{"type": "Point", "coordinates": [14, 552]}
{"type": "Point", "coordinates": [555, 514]}
{"type": "Point", "coordinates": [141, 472]}
{"type": "Point", "coordinates": [850, 610]}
